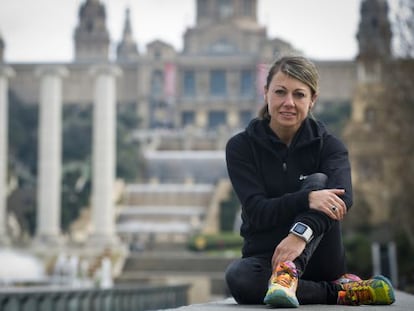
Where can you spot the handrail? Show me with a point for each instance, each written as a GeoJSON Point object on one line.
{"type": "Point", "coordinates": [117, 298]}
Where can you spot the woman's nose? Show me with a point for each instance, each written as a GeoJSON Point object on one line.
{"type": "Point", "coordinates": [288, 99]}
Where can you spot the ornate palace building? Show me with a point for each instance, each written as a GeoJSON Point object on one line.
{"type": "Point", "coordinates": [201, 94]}
{"type": "Point", "coordinates": [215, 81]}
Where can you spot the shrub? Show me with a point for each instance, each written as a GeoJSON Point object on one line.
{"type": "Point", "coordinates": [221, 241]}
{"type": "Point", "coordinates": [358, 255]}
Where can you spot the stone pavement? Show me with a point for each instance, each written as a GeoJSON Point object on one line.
{"type": "Point", "coordinates": [403, 302]}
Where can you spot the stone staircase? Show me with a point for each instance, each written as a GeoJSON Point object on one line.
{"type": "Point", "coordinates": [155, 214]}
{"type": "Point", "coordinates": [204, 272]}
{"type": "Point", "coordinates": [156, 220]}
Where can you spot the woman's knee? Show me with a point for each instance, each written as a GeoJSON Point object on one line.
{"type": "Point", "coordinates": [246, 283]}
{"type": "Point", "coordinates": [235, 277]}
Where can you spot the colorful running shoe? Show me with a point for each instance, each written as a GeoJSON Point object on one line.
{"type": "Point", "coordinates": [347, 278]}
{"type": "Point", "coordinates": [375, 291]}
{"type": "Point", "coordinates": [282, 286]}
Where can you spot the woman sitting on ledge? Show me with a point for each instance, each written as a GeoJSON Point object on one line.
{"type": "Point", "coordinates": [293, 180]}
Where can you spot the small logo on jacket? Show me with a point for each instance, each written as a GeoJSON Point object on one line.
{"type": "Point", "coordinates": [303, 177]}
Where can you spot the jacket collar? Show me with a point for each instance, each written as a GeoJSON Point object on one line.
{"type": "Point", "coordinates": [309, 132]}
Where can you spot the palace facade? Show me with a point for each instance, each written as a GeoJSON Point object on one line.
{"type": "Point", "coordinates": [193, 99]}
{"type": "Point", "coordinates": [215, 81]}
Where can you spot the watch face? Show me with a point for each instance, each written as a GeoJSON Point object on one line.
{"type": "Point", "coordinates": [299, 228]}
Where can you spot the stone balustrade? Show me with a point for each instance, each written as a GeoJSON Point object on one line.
{"type": "Point", "coordinates": [118, 298]}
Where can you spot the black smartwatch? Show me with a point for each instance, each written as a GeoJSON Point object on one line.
{"type": "Point", "coordinates": [303, 231]}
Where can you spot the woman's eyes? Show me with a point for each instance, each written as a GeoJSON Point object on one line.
{"type": "Point", "coordinates": [280, 92]}
{"type": "Point", "coordinates": [298, 95]}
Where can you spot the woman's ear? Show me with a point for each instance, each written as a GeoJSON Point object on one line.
{"type": "Point", "coordinates": [313, 100]}
{"type": "Point", "coordinates": [265, 95]}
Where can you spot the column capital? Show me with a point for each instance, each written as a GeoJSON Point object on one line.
{"type": "Point", "coordinates": [6, 71]}
{"type": "Point", "coordinates": [57, 70]}
{"type": "Point", "coordinates": [107, 69]}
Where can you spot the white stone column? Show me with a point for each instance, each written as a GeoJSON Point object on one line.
{"type": "Point", "coordinates": [49, 155]}
{"type": "Point", "coordinates": [104, 156]}
{"type": "Point", "coordinates": [5, 73]}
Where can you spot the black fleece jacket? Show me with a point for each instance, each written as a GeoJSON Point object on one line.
{"type": "Point", "coordinates": [267, 175]}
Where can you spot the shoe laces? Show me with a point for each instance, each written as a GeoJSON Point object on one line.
{"type": "Point", "coordinates": [362, 293]}
{"type": "Point", "coordinates": [284, 275]}
{"type": "Point", "coordinates": [357, 284]}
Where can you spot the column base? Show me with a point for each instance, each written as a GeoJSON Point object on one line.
{"type": "Point", "coordinates": [103, 241]}
{"type": "Point", "coordinates": [48, 240]}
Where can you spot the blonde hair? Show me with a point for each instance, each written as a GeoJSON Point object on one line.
{"type": "Point", "coordinates": [297, 67]}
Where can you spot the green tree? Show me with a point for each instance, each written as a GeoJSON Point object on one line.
{"type": "Point", "coordinates": [22, 139]}
{"type": "Point", "coordinates": [129, 157]}
{"type": "Point", "coordinates": [22, 160]}
{"type": "Point", "coordinates": [76, 156]}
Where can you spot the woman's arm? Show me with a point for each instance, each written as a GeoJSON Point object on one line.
{"type": "Point", "coordinates": [335, 164]}
{"type": "Point", "coordinates": [263, 212]}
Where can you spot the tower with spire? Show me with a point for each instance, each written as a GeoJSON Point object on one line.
{"type": "Point", "coordinates": [127, 49]}
{"type": "Point", "coordinates": [91, 35]}
{"type": "Point", "coordinates": [374, 33]}
{"type": "Point", "coordinates": [369, 155]}
{"type": "Point", "coordinates": [225, 27]}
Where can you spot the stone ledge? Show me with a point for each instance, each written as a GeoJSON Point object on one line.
{"type": "Point", "coordinates": [403, 302]}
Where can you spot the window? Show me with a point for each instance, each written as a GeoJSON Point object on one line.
{"type": "Point", "coordinates": [225, 8]}
{"type": "Point", "coordinates": [247, 7]}
{"type": "Point", "coordinates": [157, 83]}
{"type": "Point", "coordinates": [247, 84]}
{"type": "Point", "coordinates": [202, 7]}
{"type": "Point", "coordinates": [188, 118]}
{"type": "Point", "coordinates": [370, 116]}
{"type": "Point", "coordinates": [245, 118]}
{"type": "Point", "coordinates": [218, 83]}
{"type": "Point", "coordinates": [222, 46]}
{"type": "Point", "coordinates": [157, 54]}
{"type": "Point", "coordinates": [189, 83]}
{"type": "Point", "coordinates": [216, 118]}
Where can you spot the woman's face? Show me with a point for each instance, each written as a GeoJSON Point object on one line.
{"type": "Point", "coordinates": [289, 101]}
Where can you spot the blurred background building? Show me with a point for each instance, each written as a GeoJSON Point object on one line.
{"type": "Point", "coordinates": [188, 102]}
{"type": "Point", "coordinates": [173, 111]}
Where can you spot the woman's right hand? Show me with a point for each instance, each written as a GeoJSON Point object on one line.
{"type": "Point", "coordinates": [328, 201]}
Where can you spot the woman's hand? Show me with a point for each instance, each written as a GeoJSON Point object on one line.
{"type": "Point", "coordinates": [288, 249]}
{"type": "Point", "coordinates": [328, 201]}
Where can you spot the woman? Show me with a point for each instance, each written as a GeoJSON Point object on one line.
{"type": "Point", "coordinates": [293, 179]}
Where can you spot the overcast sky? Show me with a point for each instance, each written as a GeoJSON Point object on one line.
{"type": "Point", "coordinates": [42, 30]}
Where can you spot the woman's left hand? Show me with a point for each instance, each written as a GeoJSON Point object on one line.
{"type": "Point", "coordinates": [288, 250]}
{"type": "Point", "coordinates": [328, 201]}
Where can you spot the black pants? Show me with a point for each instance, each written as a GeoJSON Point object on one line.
{"type": "Point", "coordinates": [322, 262]}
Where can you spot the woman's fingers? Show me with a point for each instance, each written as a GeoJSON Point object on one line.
{"type": "Point", "coordinates": [328, 202]}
